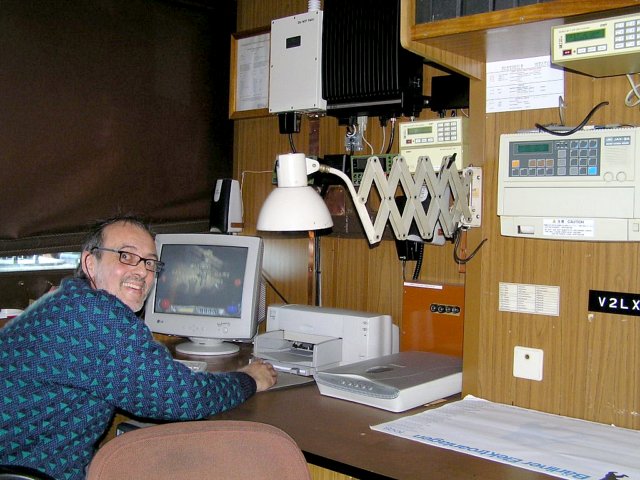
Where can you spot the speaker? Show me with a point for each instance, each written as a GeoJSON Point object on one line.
{"type": "Point", "coordinates": [225, 215]}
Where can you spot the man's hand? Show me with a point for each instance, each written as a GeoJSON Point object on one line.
{"type": "Point", "coordinates": [262, 372]}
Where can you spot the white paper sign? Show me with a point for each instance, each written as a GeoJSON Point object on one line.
{"type": "Point", "coordinates": [252, 76]}
{"type": "Point", "coordinates": [525, 298]}
{"type": "Point", "coordinates": [523, 84]}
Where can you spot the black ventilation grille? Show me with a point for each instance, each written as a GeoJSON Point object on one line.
{"type": "Point", "coordinates": [365, 70]}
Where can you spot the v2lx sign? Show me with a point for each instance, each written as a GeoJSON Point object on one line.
{"type": "Point", "coordinates": [614, 302]}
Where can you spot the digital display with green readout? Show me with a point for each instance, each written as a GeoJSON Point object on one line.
{"type": "Point", "coordinates": [419, 130]}
{"type": "Point", "coordinates": [586, 35]}
{"type": "Point", "coordinates": [533, 147]}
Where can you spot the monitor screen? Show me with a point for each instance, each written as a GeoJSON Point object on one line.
{"type": "Point", "coordinates": [210, 290]}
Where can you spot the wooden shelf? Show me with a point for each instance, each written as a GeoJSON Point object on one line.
{"type": "Point", "coordinates": [465, 44]}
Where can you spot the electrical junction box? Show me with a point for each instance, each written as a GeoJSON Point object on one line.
{"type": "Point", "coordinates": [435, 139]}
{"type": "Point", "coordinates": [578, 187]}
{"type": "Point", "coordinates": [432, 318]}
{"type": "Point", "coordinates": [599, 48]}
{"type": "Point", "coordinates": [295, 64]}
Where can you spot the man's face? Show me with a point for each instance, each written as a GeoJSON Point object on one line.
{"type": "Point", "coordinates": [131, 284]}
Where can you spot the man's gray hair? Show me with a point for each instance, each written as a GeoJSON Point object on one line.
{"type": "Point", "coordinates": [95, 237]}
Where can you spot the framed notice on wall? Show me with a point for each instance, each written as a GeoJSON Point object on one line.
{"type": "Point", "coordinates": [249, 82]}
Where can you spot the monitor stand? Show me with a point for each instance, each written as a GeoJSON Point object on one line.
{"type": "Point", "coordinates": [207, 346]}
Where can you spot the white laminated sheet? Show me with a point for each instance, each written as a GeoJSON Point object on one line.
{"type": "Point", "coordinates": [559, 446]}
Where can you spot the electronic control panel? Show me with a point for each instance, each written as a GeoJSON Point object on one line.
{"type": "Point", "coordinates": [435, 139]}
{"type": "Point", "coordinates": [585, 186]}
{"type": "Point", "coordinates": [559, 158]}
{"type": "Point", "coordinates": [605, 47]}
{"type": "Point", "coordinates": [359, 164]}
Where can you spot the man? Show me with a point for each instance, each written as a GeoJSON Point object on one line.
{"type": "Point", "coordinates": [80, 352]}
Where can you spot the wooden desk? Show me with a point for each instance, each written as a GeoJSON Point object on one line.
{"type": "Point", "coordinates": [335, 434]}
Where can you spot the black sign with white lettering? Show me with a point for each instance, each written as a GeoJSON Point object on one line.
{"type": "Point", "coordinates": [614, 302]}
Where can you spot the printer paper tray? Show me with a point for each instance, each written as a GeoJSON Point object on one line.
{"type": "Point", "coordinates": [275, 348]}
{"type": "Point", "coordinates": [303, 358]}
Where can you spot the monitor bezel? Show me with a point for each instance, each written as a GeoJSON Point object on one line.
{"type": "Point", "coordinates": [241, 329]}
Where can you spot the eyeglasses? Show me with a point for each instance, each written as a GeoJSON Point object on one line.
{"type": "Point", "coordinates": [132, 259]}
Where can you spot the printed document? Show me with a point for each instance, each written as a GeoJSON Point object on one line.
{"type": "Point", "coordinates": [559, 446]}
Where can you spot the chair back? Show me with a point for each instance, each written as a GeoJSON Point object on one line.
{"type": "Point", "coordinates": [216, 449]}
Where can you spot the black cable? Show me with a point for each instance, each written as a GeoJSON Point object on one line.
{"type": "Point", "coordinates": [270, 283]}
{"type": "Point", "coordinates": [292, 144]}
{"type": "Point", "coordinates": [391, 137]}
{"type": "Point", "coordinates": [456, 257]}
{"type": "Point", "coordinates": [451, 160]}
{"type": "Point", "coordinates": [418, 267]}
{"type": "Point", "coordinates": [575, 129]}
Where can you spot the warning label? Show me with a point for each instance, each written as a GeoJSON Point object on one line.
{"type": "Point", "coordinates": [568, 227]}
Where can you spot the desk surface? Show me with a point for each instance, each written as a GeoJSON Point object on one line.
{"type": "Point", "coordinates": [335, 434]}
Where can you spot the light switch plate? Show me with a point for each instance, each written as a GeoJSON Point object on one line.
{"type": "Point", "coordinates": [527, 363]}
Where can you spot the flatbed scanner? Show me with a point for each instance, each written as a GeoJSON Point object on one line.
{"type": "Point", "coordinates": [304, 339]}
{"type": "Point", "coordinates": [394, 382]}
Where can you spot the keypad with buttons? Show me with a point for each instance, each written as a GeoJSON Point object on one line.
{"type": "Point", "coordinates": [626, 34]}
{"type": "Point", "coordinates": [447, 131]}
{"type": "Point", "coordinates": [556, 158]}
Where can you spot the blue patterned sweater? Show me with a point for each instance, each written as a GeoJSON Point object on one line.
{"type": "Point", "coordinates": [75, 356]}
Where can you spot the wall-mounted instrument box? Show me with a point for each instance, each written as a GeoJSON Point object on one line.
{"type": "Point", "coordinates": [600, 48]}
{"type": "Point", "coordinates": [432, 318]}
{"type": "Point", "coordinates": [585, 186]}
{"type": "Point", "coordinates": [365, 68]}
{"type": "Point", "coordinates": [295, 63]}
{"type": "Point", "coordinates": [435, 139]}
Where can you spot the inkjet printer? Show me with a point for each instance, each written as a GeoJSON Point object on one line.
{"type": "Point", "coordinates": [304, 339]}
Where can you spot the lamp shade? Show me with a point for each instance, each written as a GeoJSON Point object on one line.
{"type": "Point", "coordinates": [294, 209]}
{"type": "Point", "coordinates": [294, 206]}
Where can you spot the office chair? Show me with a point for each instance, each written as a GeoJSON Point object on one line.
{"type": "Point", "coordinates": [217, 449]}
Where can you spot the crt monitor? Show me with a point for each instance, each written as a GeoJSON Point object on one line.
{"type": "Point", "coordinates": [210, 291]}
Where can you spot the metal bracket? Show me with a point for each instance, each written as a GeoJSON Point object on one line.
{"type": "Point", "coordinates": [455, 197]}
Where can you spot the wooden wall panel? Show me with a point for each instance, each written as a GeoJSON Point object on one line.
{"type": "Point", "coordinates": [591, 365]}
{"type": "Point", "coordinates": [355, 275]}
{"type": "Point", "coordinates": [591, 362]}
{"type": "Point", "coordinates": [259, 13]}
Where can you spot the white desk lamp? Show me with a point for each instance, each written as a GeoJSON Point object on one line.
{"type": "Point", "coordinates": [294, 206]}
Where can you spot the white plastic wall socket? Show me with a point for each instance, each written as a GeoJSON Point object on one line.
{"type": "Point", "coordinates": [527, 363]}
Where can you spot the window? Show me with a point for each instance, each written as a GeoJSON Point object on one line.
{"type": "Point", "coordinates": [46, 261]}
